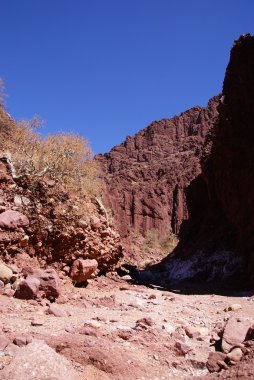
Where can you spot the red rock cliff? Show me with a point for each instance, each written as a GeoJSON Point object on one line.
{"type": "Point", "coordinates": [147, 174]}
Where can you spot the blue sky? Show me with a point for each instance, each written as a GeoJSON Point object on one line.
{"type": "Point", "coordinates": [107, 68]}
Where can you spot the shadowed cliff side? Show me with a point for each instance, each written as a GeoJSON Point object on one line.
{"type": "Point", "coordinates": [217, 241]}
{"type": "Point", "coordinates": [231, 168]}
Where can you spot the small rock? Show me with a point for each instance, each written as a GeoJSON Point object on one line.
{"type": "Point", "coordinates": [12, 219]}
{"type": "Point", "coordinates": [144, 322]}
{"type": "Point", "coordinates": [233, 307]}
{"type": "Point", "coordinates": [17, 200]}
{"type": "Point", "coordinates": [24, 241]}
{"type": "Point", "coordinates": [214, 358]}
{"type": "Point", "coordinates": [196, 332]}
{"type": "Point", "coordinates": [36, 322]}
{"type": "Point", "coordinates": [235, 355]}
{"type": "Point", "coordinates": [57, 311]}
{"type": "Point", "coordinates": [8, 291]}
{"type": "Point", "coordinates": [20, 341]}
{"type": "Point", "coordinates": [183, 348]}
{"type": "Point", "coordinates": [88, 331]}
{"type": "Point", "coordinates": [82, 270]}
{"type": "Point", "coordinates": [95, 222]}
{"type": "Point", "coordinates": [5, 273]}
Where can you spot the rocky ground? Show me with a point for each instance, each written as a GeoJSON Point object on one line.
{"type": "Point", "coordinates": [115, 329]}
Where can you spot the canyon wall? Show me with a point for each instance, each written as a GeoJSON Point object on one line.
{"type": "Point", "coordinates": [147, 174]}
{"type": "Point", "coordinates": [193, 175]}
{"type": "Point", "coordinates": [230, 171]}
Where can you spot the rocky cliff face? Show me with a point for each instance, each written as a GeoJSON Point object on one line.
{"type": "Point", "coordinates": [193, 175]}
{"type": "Point", "coordinates": [147, 174]}
{"type": "Point", "coordinates": [231, 166]}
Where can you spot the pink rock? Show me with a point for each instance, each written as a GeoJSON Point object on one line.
{"type": "Point", "coordinates": [8, 291]}
{"type": "Point", "coordinates": [183, 348]}
{"type": "Point", "coordinates": [38, 361]}
{"type": "Point", "coordinates": [95, 222]}
{"type": "Point", "coordinates": [20, 341]}
{"type": "Point", "coordinates": [12, 219]}
{"type": "Point", "coordinates": [235, 332]}
{"type": "Point", "coordinates": [48, 278]}
{"type": "Point", "coordinates": [214, 361]}
{"type": "Point", "coordinates": [82, 270]}
{"type": "Point", "coordinates": [28, 288]}
{"type": "Point", "coordinates": [57, 311]}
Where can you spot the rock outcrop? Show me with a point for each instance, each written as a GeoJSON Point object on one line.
{"type": "Point", "coordinates": [41, 225]}
{"type": "Point", "coordinates": [147, 175]}
{"type": "Point", "coordinates": [193, 176]}
{"type": "Point", "coordinates": [230, 171]}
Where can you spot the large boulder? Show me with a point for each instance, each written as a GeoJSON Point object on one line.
{"type": "Point", "coordinates": [28, 288]}
{"type": "Point", "coordinates": [82, 270]}
{"type": "Point", "coordinates": [48, 280]}
{"type": "Point", "coordinates": [235, 332]}
{"type": "Point", "coordinates": [12, 219]}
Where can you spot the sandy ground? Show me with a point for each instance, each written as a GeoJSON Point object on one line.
{"type": "Point", "coordinates": [113, 329]}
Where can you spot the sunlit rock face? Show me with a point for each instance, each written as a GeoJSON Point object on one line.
{"type": "Point", "coordinates": [147, 175]}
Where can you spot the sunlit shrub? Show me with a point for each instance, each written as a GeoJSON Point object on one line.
{"type": "Point", "coordinates": [65, 158]}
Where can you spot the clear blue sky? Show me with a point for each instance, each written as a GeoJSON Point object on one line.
{"type": "Point", "coordinates": [107, 68]}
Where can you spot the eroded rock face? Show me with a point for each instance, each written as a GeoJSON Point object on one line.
{"type": "Point", "coordinates": [231, 171]}
{"type": "Point", "coordinates": [148, 174]}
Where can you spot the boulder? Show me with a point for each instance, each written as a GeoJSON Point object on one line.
{"type": "Point", "coordinates": [5, 273]}
{"type": "Point", "coordinates": [12, 219]}
{"type": "Point", "coordinates": [82, 270]}
{"type": "Point", "coordinates": [27, 289]}
{"type": "Point", "coordinates": [48, 278]}
{"type": "Point", "coordinates": [37, 361]}
{"type": "Point", "coordinates": [235, 332]}
{"type": "Point", "coordinates": [235, 355]}
{"type": "Point", "coordinates": [214, 361]}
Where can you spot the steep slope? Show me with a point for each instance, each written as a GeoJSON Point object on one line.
{"type": "Point", "coordinates": [147, 174]}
